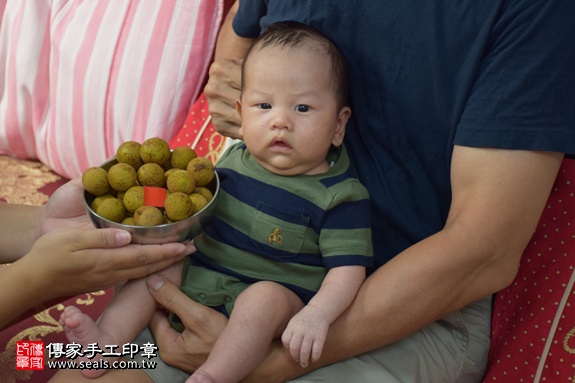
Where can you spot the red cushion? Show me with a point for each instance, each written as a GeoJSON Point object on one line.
{"type": "Point", "coordinates": [534, 318]}
{"type": "Point", "coordinates": [199, 134]}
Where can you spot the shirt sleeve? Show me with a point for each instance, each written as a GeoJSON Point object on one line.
{"type": "Point", "coordinates": [246, 22]}
{"type": "Point", "coordinates": [345, 237]}
{"type": "Point", "coordinates": [523, 96]}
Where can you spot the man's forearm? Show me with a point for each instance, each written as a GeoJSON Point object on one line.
{"type": "Point", "coordinates": [229, 44]}
{"type": "Point", "coordinates": [398, 299]}
{"type": "Point", "coordinates": [498, 197]}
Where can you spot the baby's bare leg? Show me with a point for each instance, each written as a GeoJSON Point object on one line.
{"type": "Point", "coordinates": [122, 320]}
{"type": "Point", "coordinates": [260, 315]}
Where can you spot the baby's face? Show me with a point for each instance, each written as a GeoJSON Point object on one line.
{"type": "Point", "coordinates": [289, 111]}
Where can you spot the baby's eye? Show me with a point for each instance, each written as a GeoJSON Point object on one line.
{"type": "Point", "coordinates": [302, 108]}
{"type": "Point", "coordinates": [265, 106]}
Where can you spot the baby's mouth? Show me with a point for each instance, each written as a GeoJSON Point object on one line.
{"type": "Point", "coordinates": [280, 143]}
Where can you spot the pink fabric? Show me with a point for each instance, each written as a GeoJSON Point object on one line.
{"type": "Point", "coordinates": [78, 78]}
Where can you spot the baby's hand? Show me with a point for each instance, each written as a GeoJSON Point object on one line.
{"type": "Point", "coordinates": [305, 335]}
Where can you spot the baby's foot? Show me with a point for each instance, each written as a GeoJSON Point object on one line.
{"type": "Point", "coordinates": [82, 329]}
{"type": "Point", "coordinates": [199, 377]}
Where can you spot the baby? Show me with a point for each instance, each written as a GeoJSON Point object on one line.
{"type": "Point", "coordinates": [285, 251]}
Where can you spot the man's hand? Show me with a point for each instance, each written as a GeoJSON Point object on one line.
{"type": "Point", "coordinates": [189, 349]}
{"type": "Point", "coordinates": [222, 92]}
{"type": "Point", "coordinates": [224, 81]}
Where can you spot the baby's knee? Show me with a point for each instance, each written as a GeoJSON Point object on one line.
{"type": "Point", "coordinates": [265, 293]}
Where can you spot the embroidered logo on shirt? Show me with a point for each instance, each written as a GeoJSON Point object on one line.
{"type": "Point", "coordinates": [275, 237]}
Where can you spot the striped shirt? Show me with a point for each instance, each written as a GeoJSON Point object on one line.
{"type": "Point", "coordinates": [81, 77]}
{"type": "Point", "coordinates": [290, 230]}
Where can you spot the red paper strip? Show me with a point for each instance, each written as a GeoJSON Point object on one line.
{"type": "Point", "coordinates": [154, 196]}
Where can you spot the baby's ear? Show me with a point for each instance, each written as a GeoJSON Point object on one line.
{"type": "Point", "coordinates": [342, 118]}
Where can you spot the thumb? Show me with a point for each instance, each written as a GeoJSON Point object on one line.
{"type": "Point", "coordinates": [108, 238]}
{"type": "Point", "coordinates": [194, 315]}
{"type": "Point", "coordinates": [166, 293]}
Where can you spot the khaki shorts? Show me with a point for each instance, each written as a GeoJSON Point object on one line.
{"type": "Point", "coordinates": [453, 350]}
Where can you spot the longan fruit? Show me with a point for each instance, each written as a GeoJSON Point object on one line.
{"type": "Point", "coordinates": [148, 216]}
{"type": "Point", "coordinates": [122, 176]}
{"type": "Point", "coordinates": [202, 170]}
{"type": "Point", "coordinates": [181, 157]}
{"type": "Point", "coordinates": [112, 209]}
{"type": "Point", "coordinates": [155, 150]}
{"type": "Point", "coordinates": [151, 174]}
{"type": "Point", "coordinates": [95, 181]}
{"type": "Point", "coordinates": [129, 153]}
{"type": "Point", "coordinates": [180, 181]}
{"type": "Point", "coordinates": [178, 206]}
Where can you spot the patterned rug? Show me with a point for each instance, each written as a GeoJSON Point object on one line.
{"type": "Point", "coordinates": [31, 183]}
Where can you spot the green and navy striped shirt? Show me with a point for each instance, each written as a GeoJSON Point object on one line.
{"type": "Point", "coordinates": [287, 229]}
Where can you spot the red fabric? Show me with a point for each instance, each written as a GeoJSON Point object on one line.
{"type": "Point", "coordinates": [198, 132]}
{"type": "Point", "coordinates": [42, 324]}
{"type": "Point", "coordinates": [533, 324]}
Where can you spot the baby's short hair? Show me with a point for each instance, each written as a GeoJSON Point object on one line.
{"type": "Point", "coordinates": [292, 34]}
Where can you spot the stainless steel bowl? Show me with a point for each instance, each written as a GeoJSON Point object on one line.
{"type": "Point", "coordinates": [171, 232]}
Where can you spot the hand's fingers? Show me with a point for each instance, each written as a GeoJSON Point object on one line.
{"type": "Point", "coordinates": [225, 128]}
{"type": "Point", "coordinates": [223, 105]}
{"type": "Point", "coordinates": [203, 325]}
{"type": "Point", "coordinates": [86, 240]}
{"type": "Point", "coordinates": [96, 238]}
{"type": "Point", "coordinates": [223, 99]}
{"type": "Point", "coordinates": [136, 261]}
{"type": "Point", "coordinates": [156, 256]}
{"type": "Point", "coordinates": [317, 349]}
{"type": "Point", "coordinates": [163, 332]}
{"type": "Point", "coordinates": [127, 260]}
{"type": "Point", "coordinates": [194, 316]}
{"type": "Point", "coordinates": [286, 337]}
{"type": "Point", "coordinates": [305, 351]}
{"type": "Point", "coordinates": [223, 87]}
{"type": "Point", "coordinates": [295, 347]}
{"type": "Point", "coordinates": [226, 70]}
{"type": "Point", "coordinates": [129, 255]}
{"type": "Point", "coordinates": [235, 69]}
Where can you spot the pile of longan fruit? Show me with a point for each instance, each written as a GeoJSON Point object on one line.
{"type": "Point", "coordinates": [151, 167]}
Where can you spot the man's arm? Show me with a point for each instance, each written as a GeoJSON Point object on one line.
{"type": "Point", "coordinates": [498, 197]}
{"type": "Point", "coordinates": [224, 82]}
{"type": "Point", "coordinates": [229, 45]}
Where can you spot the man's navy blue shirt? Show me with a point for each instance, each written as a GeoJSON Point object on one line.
{"type": "Point", "coordinates": [427, 75]}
